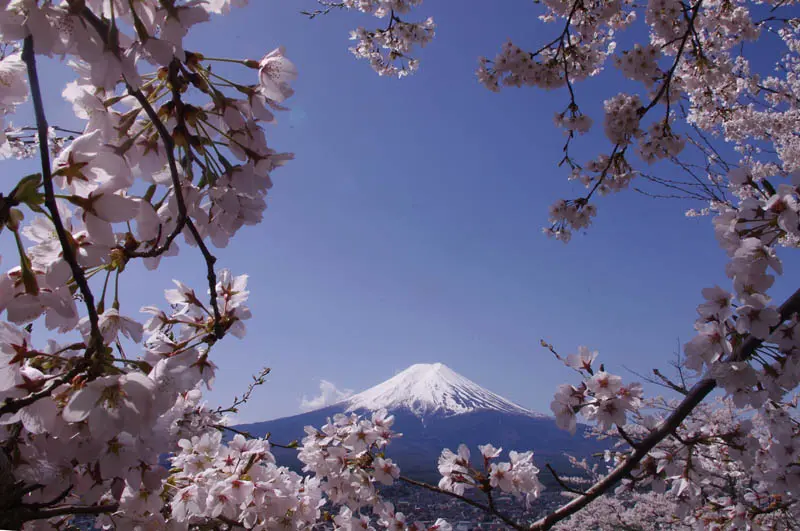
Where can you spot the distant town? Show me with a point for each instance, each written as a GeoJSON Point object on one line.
{"type": "Point", "coordinates": [420, 505]}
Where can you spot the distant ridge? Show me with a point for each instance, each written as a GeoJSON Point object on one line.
{"type": "Point", "coordinates": [435, 408]}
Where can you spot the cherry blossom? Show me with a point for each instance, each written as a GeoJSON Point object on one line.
{"type": "Point", "coordinates": [275, 72]}
{"type": "Point", "coordinates": [86, 415]}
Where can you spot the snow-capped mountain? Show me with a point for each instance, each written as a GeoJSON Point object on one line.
{"type": "Point", "coordinates": [427, 389]}
{"type": "Point", "coordinates": [436, 408]}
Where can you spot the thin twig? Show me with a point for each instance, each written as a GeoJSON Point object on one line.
{"type": "Point", "coordinates": [258, 379]}
{"type": "Point", "coordinates": [562, 483]}
{"type": "Point", "coordinates": [669, 383]}
{"type": "Point", "coordinates": [58, 499]}
{"type": "Point", "coordinates": [210, 259]}
{"type": "Point", "coordinates": [678, 55]}
{"type": "Point", "coordinates": [628, 439]}
{"type": "Point", "coordinates": [68, 510]}
{"type": "Point", "coordinates": [329, 6]}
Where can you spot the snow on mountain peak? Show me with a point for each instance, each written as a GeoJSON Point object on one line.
{"type": "Point", "coordinates": [432, 388]}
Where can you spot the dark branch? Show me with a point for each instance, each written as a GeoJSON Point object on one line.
{"type": "Point", "coordinates": [562, 483]}
{"type": "Point", "coordinates": [624, 435]}
{"type": "Point", "coordinates": [12, 405]}
{"type": "Point", "coordinates": [28, 55]}
{"type": "Point", "coordinates": [68, 510]}
{"type": "Point", "coordinates": [669, 383]}
{"type": "Point", "coordinates": [169, 145]}
{"type": "Point", "coordinates": [668, 427]}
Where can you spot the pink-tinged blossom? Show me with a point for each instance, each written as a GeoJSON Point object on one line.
{"type": "Point", "coordinates": [112, 324]}
{"type": "Point", "coordinates": [27, 294]}
{"type": "Point", "coordinates": [718, 303]}
{"type": "Point", "coordinates": [582, 360]}
{"type": "Point", "coordinates": [441, 525]}
{"type": "Point", "coordinates": [604, 385]}
{"type": "Point", "coordinates": [757, 318]}
{"type": "Point", "coordinates": [87, 163]}
{"type": "Point", "coordinates": [607, 413]}
{"type": "Point", "coordinates": [13, 83]}
{"type": "Point", "coordinates": [275, 72]}
{"type": "Point", "coordinates": [709, 345]}
{"type": "Point", "coordinates": [489, 452]}
{"type": "Point", "coordinates": [752, 253]}
{"type": "Point", "coordinates": [500, 476]}
{"type": "Point", "coordinates": [183, 299]}
{"type": "Point", "coordinates": [346, 520]}
{"type": "Point", "coordinates": [15, 347]}
{"type": "Point", "coordinates": [385, 471]}
{"type": "Point", "coordinates": [524, 476]}
{"type": "Point", "coordinates": [565, 402]}
{"type": "Point", "coordinates": [187, 503]}
{"type": "Point", "coordinates": [110, 404]}
{"type": "Point", "coordinates": [454, 469]}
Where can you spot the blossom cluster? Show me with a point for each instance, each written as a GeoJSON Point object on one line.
{"type": "Point", "coordinates": [765, 219]}
{"type": "Point", "coordinates": [660, 142]}
{"type": "Point", "coordinates": [347, 458]}
{"type": "Point", "coordinates": [519, 476]}
{"type": "Point", "coordinates": [579, 52]}
{"type": "Point", "coordinates": [601, 397]}
{"type": "Point", "coordinates": [240, 482]}
{"type": "Point", "coordinates": [640, 63]}
{"type": "Point", "coordinates": [388, 49]}
{"type": "Point", "coordinates": [621, 122]}
{"type": "Point", "coordinates": [722, 467]}
{"type": "Point", "coordinates": [568, 215]}
{"type": "Point", "coordinates": [99, 437]}
{"type": "Point", "coordinates": [644, 511]}
{"type": "Point", "coordinates": [343, 453]}
{"type": "Point", "coordinates": [573, 120]}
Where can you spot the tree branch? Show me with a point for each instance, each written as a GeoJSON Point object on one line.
{"type": "Point", "coordinates": [633, 444]}
{"type": "Point", "coordinates": [183, 218]}
{"type": "Point", "coordinates": [693, 398]}
{"type": "Point", "coordinates": [69, 510]}
{"type": "Point", "coordinates": [669, 383]}
{"type": "Point", "coordinates": [562, 483]}
{"type": "Point", "coordinates": [28, 56]}
{"type": "Point", "coordinates": [166, 138]}
{"type": "Point", "coordinates": [12, 405]}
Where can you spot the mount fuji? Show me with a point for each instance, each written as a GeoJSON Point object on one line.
{"type": "Point", "coordinates": [436, 408]}
{"type": "Point", "coordinates": [432, 390]}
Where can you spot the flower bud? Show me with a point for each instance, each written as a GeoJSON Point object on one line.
{"type": "Point", "coordinates": [29, 279]}
{"type": "Point", "coordinates": [27, 187]}
{"type": "Point", "coordinates": [15, 216]}
{"type": "Point", "coordinates": [180, 136]}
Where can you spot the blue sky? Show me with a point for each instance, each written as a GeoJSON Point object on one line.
{"type": "Point", "coordinates": [408, 229]}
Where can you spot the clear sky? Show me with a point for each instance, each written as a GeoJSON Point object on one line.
{"type": "Point", "coordinates": [408, 229]}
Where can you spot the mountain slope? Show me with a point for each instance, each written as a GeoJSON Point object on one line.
{"type": "Point", "coordinates": [436, 408]}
